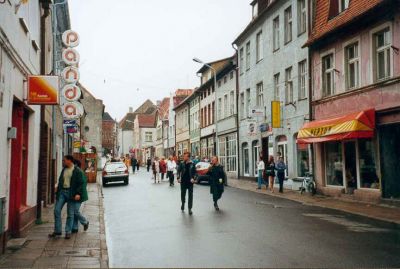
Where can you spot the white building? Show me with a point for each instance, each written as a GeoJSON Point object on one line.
{"type": "Point", "coordinates": [20, 53]}
{"type": "Point", "coordinates": [145, 136]}
{"type": "Point", "coordinates": [273, 67]}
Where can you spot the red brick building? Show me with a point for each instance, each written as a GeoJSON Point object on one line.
{"type": "Point", "coordinates": [109, 140]}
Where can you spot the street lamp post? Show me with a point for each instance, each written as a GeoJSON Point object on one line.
{"type": "Point", "coordinates": [197, 60]}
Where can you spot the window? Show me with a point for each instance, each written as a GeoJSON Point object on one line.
{"type": "Point", "coordinates": [255, 9]}
{"type": "Point", "coordinates": [383, 42]}
{"type": "Point", "coordinates": [231, 75]}
{"type": "Point", "coordinates": [210, 150]}
{"type": "Point", "coordinates": [212, 111]}
{"type": "Point", "coordinates": [232, 101]}
{"type": "Point", "coordinates": [260, 95]}
{"type": "Point", "coordinates": [227, 152]}
{"type": "Point", "coordinates": [148, 136]}
{"type": "Point", "coordinates": [302, 16]}
{"type": "Point", "coordinates": [225, 79]}
{"type": "Point", "coordinates": [276, 87]}
{"type": "Point", "coordinates": [259, 47]}
{"type": "Point", "coordinates": [248, 102]}
{"type": "Point", "coordinates": [246, 161]}
{"type": "Point", "coordinates": [242, 115]}
{"type": "Point", "coordinates": [343, 5]}
{"type": "Point", "coordinates": [209, 115]}
{"type": "Point", "coordinates": [302, 79]}
{"type": "Point", "coordinates": [248, 56]}
{"type": "Point", "coordinates": [219, 83]}
{"type": "Point", "coordinates": [220, 109]}
{"type": "Point", "coordinates": [241, 64]}
{"type": "Point", "coordinates": [327, 75]}
{"type": "Point", "coordinates": [288, 86]}
{"type": "Point", "coordinates": [334, 163]}
{"type": "Point", "coordinates": [352, 66]}
{"type": "Point", "coordinates": [288, 25]}
{"type": "Point", "coordinates": [276, 33]}
{"type": "Point", "coordinates": [303, 160]}
{"type": "Point", "coordinates": [367, 163]}
{"type": "Point", "coordinates": [226, 106]}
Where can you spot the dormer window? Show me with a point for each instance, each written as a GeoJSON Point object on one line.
{"type": "Point", "coordinates": [255, 9]}
{"type": "Point", "coordinates": [337, 7]}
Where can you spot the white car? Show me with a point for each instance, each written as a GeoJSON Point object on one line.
{"type": "Point", "coordinates": [115, 172]}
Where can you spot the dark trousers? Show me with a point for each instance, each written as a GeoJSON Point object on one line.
{"type": "Point", "coordinates": [148, 168]}
{"type": "Point", "coordinates": [133, 168]}
{"type": "Point", "coordinates": [189, 187]}
{"type": "Point", "coordinates": [137, 166]}
{"type": "Point", "coordinates": [162, 176]}
{"type": "Point", "coordinates": [281, 178]}
{"type": "Point", "coordinates": [170, 176]}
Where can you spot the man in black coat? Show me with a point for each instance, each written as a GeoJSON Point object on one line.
{"type": "Point", "coordinates": [148, 163]}
{"type": "Point", "coordinates": [217, 180]}
{"type": "Point", "coordinates": [186, 177]}
{"type": "Point", "coordinates": [133, 163]}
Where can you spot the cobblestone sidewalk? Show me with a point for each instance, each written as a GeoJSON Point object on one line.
{"type": "Point", "coordinates": [376, 211]}
{"type": "Point", "coordinates": [84, 250]}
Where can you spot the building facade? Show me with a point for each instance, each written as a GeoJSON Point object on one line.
{"type": "Point", "coordinates": [194, 122]}
{"type": "Point", "coordinates": [273, 68]}
{"type": "Point", "coordinates": [145, 136]}
{"type": "Point", "coordinates": [182, 136]}
{"type": "Point", "coordinates": [161, 121]}
{"type": "Point", "coordinates": [356, 99]}
{"type": "Point", "coordinates": [109, 136]}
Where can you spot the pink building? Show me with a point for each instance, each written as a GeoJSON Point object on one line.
{"type": "Point", "coordinates": [355, 63]}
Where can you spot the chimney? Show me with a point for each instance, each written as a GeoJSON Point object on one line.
{"type": "Point", "coordinates": [130, 109]}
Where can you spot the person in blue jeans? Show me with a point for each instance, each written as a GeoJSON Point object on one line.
{"type": "Point", "coordinates": [78, 217]}
{"type": "Point", "coordinates": [68, 190]}
{"type": "Point", "coordinates": [260, 169]}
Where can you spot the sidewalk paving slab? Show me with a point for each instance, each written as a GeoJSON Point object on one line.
{"type": "Point", "coordinates": [381, 212]}
{"type": "Point", "coordinates": [84, 250]}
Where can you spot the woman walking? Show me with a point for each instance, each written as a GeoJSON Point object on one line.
{"type": "Point", "coordinates": [171, 170]}
{"type": "Point", "coordinates": [280, 168]}
{"type": "Point", "coordinates": [261, 168]}
{"type": "Point", "coordinates": [270, 171]}
{"type": "Point", "coordinates": [217, 180]}
{"type": "Point", "coordinates": [163, 168]}
{"type": "Point", "coordinates": [156, 170]}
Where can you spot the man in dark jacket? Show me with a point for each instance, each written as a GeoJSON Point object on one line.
{"type": "Point", "coordinates": [148, 163]}
{"type": "Point", "coordinates": [68, 190]}
{"type": "Point", "coordinates": [78, 217]}
{"type": "Point", "coordinates": [134, 163]}
{"type": "Point", "coordinates": [217, 180]}
{"type": "Point", "coordinates": [186, 177]}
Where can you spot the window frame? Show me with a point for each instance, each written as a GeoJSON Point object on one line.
{"type": "Point", "coordinates": [275, 34]}
{"type": "Point", "coordinates": [302, 75]}
{"type": "Point", "coordinates": [248, 55]}
{"type": "Point", "coordinates": [259, 46]}
{"type": "Point", "coordinates": [324, 72]}
{"type": "Point", "coordinates": [277, 96]}
{"type": "Point", "coordinates": [383, 28]}
{"type": "Point", "coordinates": [347, 62]}
{"type": "Point", "coordinates": [301, 15]}
{"type": "Point", "coordinates": [241, 60]}
{"type": "Point", "coordinates": [260, 94]}
{"type": "Point", "coordinates": [288, 22]}
{"type": "Point", "coordinates": [289, 82]}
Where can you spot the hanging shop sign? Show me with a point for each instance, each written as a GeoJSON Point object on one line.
{"type": "Point", "coordinates": [71, 129]}
{"type": "Point", "coordinates": [276, 114]}
{"type": "Point", "coordinates": [70, 74]}
{"type": "Point", "coordinates": [71, 92]}
{"type": "Point", "coordinates": [77, 144]}
{"type": "Point", "coordinates": [69, 122]}
{"type": "Point", "coordinates": [70, 56]}
{"type": "Point", "coordinates": [72, 110]}
{"type": "Point", "coordinates": [43, 90]}
{"type": "Point", "coordinates": [252, 128]}
{"type": "Point", "coordinates": [256, 112]}
{"type": "Point", "coordinates": [70, 39]}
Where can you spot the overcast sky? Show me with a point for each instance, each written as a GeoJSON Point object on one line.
{"type": "Point", "coordinates": [133, 50]}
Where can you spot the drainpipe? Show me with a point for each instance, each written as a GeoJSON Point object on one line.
{"type": "Point", "coordinates": [310, 110]}
{"type": "Point", "coordinates": [237, 108]}
{"type": "Point", "coordinates": [46, 9]}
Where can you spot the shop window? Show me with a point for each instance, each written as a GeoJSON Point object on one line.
{"type": "Point", "coordinates": [303, 160]}
{"type": "Point", "coordinates": [246, 163]}
{"type": "Point", "coordinates": [368, 169]}
{"type": "Point", "coordinates": [334, 163]}
{"type": "Point", "coordinates": [256, 156]}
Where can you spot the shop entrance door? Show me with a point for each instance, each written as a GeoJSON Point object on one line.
{"type": "Point", "coordinates": [390, 158]}
{"type": "Point", "coordinates": [350, 154]}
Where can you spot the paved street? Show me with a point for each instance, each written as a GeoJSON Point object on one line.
{"type": "Point", "coordinates": [145, 228]}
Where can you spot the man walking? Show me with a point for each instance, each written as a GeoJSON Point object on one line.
{"type": "Point", "coordinates": [148, 164]}
{"type": "Point", "coordinates": [171, 167]}
{"type": "Point", "coordinates": [69, 189]}
{"type": "Point", "coordinates": [134, 163]}
{"type": "Point", "coordinates": [78, 217]}
{"type": "Point", "coordinates": [217, 179]}
{"type": "Point", "coordinates": [186, 175]}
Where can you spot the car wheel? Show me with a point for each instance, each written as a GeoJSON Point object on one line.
{"type": "Point", "coordinates": [104, 182]}
{"type": "Point", "coordinates": [126, 181]}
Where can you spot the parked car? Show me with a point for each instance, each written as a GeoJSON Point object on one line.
{"type": "Point", "coordinates": [115, 172]}
{"type": "Point", "coordinates": [201, 170]}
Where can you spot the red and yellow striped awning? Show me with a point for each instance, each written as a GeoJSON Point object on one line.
{"type": "Point", "coordinates": [355, 125]}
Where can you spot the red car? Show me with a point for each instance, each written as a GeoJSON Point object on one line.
{"type": "Point", "coordinates": [201, 170]}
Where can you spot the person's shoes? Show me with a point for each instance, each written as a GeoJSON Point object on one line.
{"type": "Point", "coordinates": [183, 208]}
{"type": "Point", "coordinates": [86, 226]}
{"type": "Point", "coordinates": [190, 212]}
{"type": "Point", "coordinates": [67, 236]}
{"type": "Point", "coordinates": [74, 231]}
{"type": "Point", "coordinates": [54, 235]}
{"type": "Point", "coordinates": [216, 206]}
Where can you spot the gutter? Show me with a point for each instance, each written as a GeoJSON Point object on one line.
{"type": "Point", "coordinates": [237, 108]}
